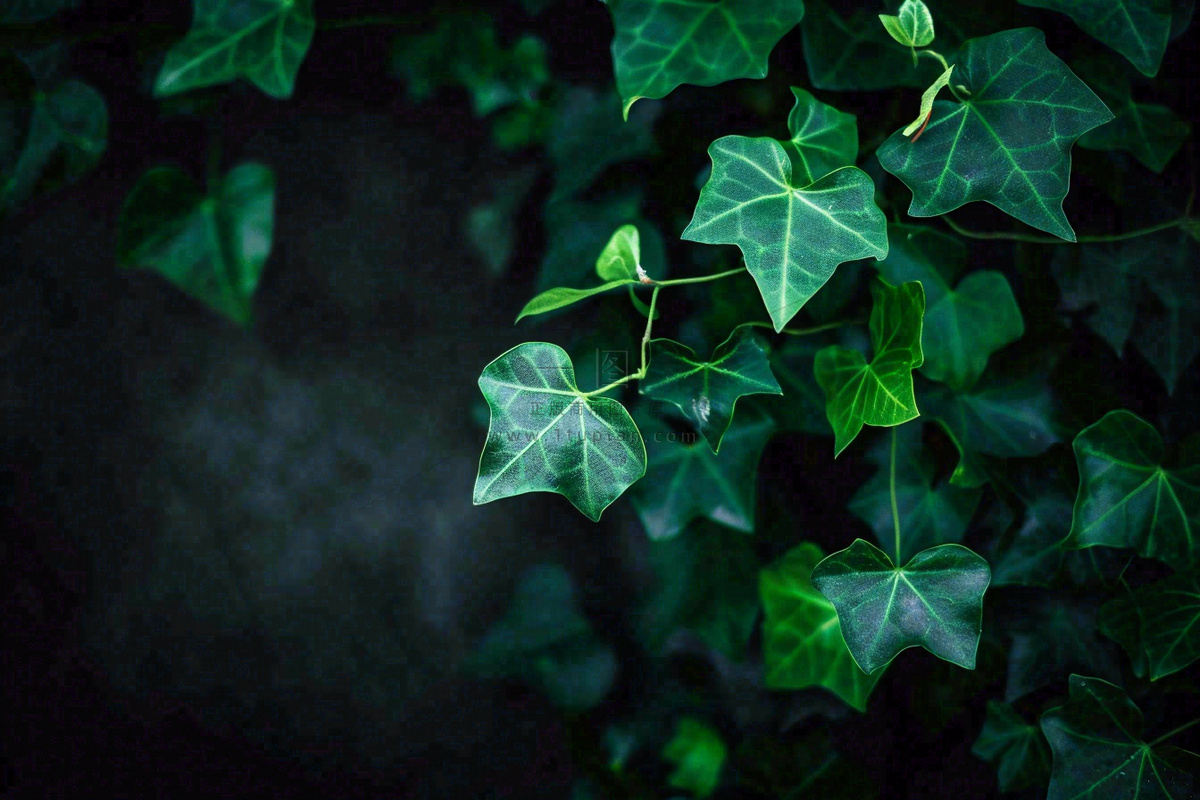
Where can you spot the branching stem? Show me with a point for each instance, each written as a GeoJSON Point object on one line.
{"type": "Point", "coordinates": [701, 279]}
{"type": "Point", "coordinates": [641, 373]}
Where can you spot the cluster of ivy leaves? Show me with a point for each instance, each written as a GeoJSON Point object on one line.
{"type": "Point", "coordinates": [1029, 563]}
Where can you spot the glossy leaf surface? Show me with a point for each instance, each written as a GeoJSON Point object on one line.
{"type": "Point", "coordinates": [1137, 29]}
{"type": "Point", "coordinates": [707, 391]}
{"type": "Point", "coordinates": [935, 601]}
{"type": "Point", "coordinates": [546, 436]}
{"type": "Point", "coordinates": [660, 44]}
{"type": "Point", "coordinates": [561, 297]}
{"type": "Point", "coordinates": [1128, 499]}
{"type": "Point", "coordinates": [802, 638]}
{"type": "Point", "coordinates": [792, 237]}
{"type": "Point", "coordinates": [263, 41]}
{"type": "Point", "coordinates": [1096, 739]}
{"type": "Point", "coordinates": [1018, 749]}
{"type": "Point", "coordinates": [823, 138]}
{"type": "Point", "coordinates": [879, 392]}
{"type": "Point", "coordinates": [912, 26]}
{"type": "Point", "coordinates": [1009, 143]}
{"type": "Point", "coordinates": [212, 247]}
{"type": "Point", "coordinates": [1162, 635]}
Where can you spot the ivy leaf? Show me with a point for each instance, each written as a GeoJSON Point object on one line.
{"type": "Point", "coordinates": [212, 247]}
{"type": "Point", "coordinates": [263, 41]}
{"type": "Point", "coordinates": [823, 138]}
{"type": "Point", "coordinates": [1137, 29]}
{"type": "Point", "coordinates": [707, 584]}
{"type": "Point", "coordinates": [965, 320]}
{"type": "Point", "coordinates": [802, 638]}
{"type": "Point", "coordinates": [707, 391]}
{"type": "Point", "coordinates": [1162, 635]}
{"type": "Point", "coordinates": [661, 44]}
{"type": "Point", "coordinates": [792, 237]}
{"type": "Point", "coordinates": [577, 230]}
{"type": "Point", "coordinates": [1128, 499]}
{"type": "Point", "coordinates": [879, 392]}
{"type": "Point", "coordinates": [929, 516]}
{"type": "Point", "coordinates": [935, 601]}
{"type": "Point", "coordinates": [1096, 739]}
{"type": "Point", "coordinates": [1150, 132]}
{"type": "Point", "coordinates": [585, 117]}
{"type": "Point", "coordinates": [548, 436]}
{"type": "Point", "coordinates": [1005, 416]}
{"type": "Point", "coordinates": [621, 258]}
{"type": "Point", "coordinates": [698, 754]}
{"type": "Point", "coordinates": [912, 27]}
{"type": "Point", "coordinates": [545, 640]}
{"type": "Point", "coordinates": [1017, 748]}
{"type": "Point", "coordinates": [1009, 143]}
{"type": "Point", "coordinates": [1120, 621]}
{"type": "Point", "coordinates": [68, 122]}
{"type": "Point", "coordinates": [856, 53]}
{"type": "Point", "coordinates": [560, 297]}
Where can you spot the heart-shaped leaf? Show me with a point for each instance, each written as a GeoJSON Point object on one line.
{"type": "Point", "coordinates": [1096, 739]}
{"type": "Point", "coordinates": [964, 323]}
{"type": "Point", "coordinates": [934, 601]}
{"type": "Point", "coordinates": [707, 391]}
{"type": "Point", "coordinates": [823, 138]}
{"type": "Point", "coordinates": [686, 480]}
{"type": "Point", "coordinates": [802, 638]}
{"type": "Point", "coordinates": [661, 44]}
{"type": "Point", "coordinates": [912, 26]}
{"type": "Point", "coordinates": [792, 237]}
{"type": "Point", "coordinates": [1162, 634]}
{"type": "Point", "coordinates": [1009, 142]}
{"type": "Point", "coordinates": [263, 41]}
{"type": "Point", "coordinates": [212, 247]}
{"type": "Point", "coordinates": [1017, 748]}
{"type": "Point", "coordinates": [698, 753]}
{"type": "Point", "coordinates": [1128, 499]}
{"type": "Point", "coordinates": [621, 258]}
{"type": "Point", "coordinates": [879, 392]}
{"type": "Point", "coordinates": [548, 436]}
{"type": "Point", "coordinates": [1137, 29]}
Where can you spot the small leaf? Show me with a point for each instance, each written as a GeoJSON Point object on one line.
{"type": "Point", "coordinates": [547, 436]}
{"type": "Point", "coordinates": [1128, 499]}
{"type": "Point", "coordinates": [707, 391]}
{"type": "Point", "coordinates": [698, 754]}
{"type": "Point", "coordinates": [935, 601]}
{"type": "Point", "coordinates": [560, 297]}
{"type": "Point", "coordinates": [802, 638]}
{"type": "Point", "coordinates": [823, 138]}
{"type": "Point", "coordinates": [622, 256]}
{"type": "Point", "coordinates": [927, 98]}
{"type": "Point", "coordinates": [1017, 748]}
{"type": "Point", "coordinates": [1137, 29]}
{"type": "Point", "coordinates": [879, 392]}
{"type": "Point", "coordinates": [659, 45]}
{"type": "Point", "coordinates": [576, 231]}
{"type": "Point", "coordinates": [912, 27]}
{"type": "Point", "coordinates": [791, 237]}
{"type": "Point", "coordinates": [263, 41]}
{"type": "Point", "coordinates": [212, 247]}
{"type": "Point", "coordinates": [1009, 143]}
{"type": "Point", "coordinates": [686, 480]}
{"type": "Point", "coordinates": [1096, 739]}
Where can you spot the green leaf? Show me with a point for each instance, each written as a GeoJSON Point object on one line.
{"type": "Point", "coordinates": [965, 320]}
{"type": "Point", "coordinates": [263, 41]}
{"type": "Point", "coordinates": [1096, 739]}
{"type": "Point", "coordinates": [1017, 748]}
{"type": "Point", "coordinates": [68, 122]}
{"type": "Point", "coordinates": [1120, 621]}
{"type": "Point", "coordinates": [621, 258]}
{"type": "Point", "coordinates": [577, 230]}
{"type": "Point", "coordinates": [25, 12]}
{"type": "Point", "coordinates": [1137, 29]}
{"type": "Point", "coordinates": [560, 297]}
{"type": "Point", "coordinates": [879, 392]}
{"type": "Point", "coordinates": [1009, 143]}
{"type": "Point", "coordinates": [545, 640]}
{"type": "Point", "coordinates": [212, 247]}
{"type": "Point", "coordinates": [1054, 635]}
{"type": "Point", "coordinates": [687, 481]}
{"type": "Point", "coordinates": [823, 138]}
{"type": "Point", "coordinates": [1005, 416]}
{"type": "Point", "coordinates": [856, 53]}
{"type": "Point", "coordinates": [707, 583]}
{"type": "Point", "coordinates": [802, 638]}
{"type": "Point", "coordinates": [661, 44]}
{"type": "Point", "coordinates": [1128, 499]}
{"type": "Point", "coordinates": [927, 98]}
{"type": "Point", "coordinates": [935, 601]}
{"type": "Point", "coordinates": [707, 391]}
{"type": "Point", "coordinates": [584, 118]}
{"type": "Point", "coordinates": [1151, 133]}
{"type": "Point", "coordinates": [547, 436]}
{"type": "Point", "coordinates": [912, 27]}
{"type": "Point", "coordinates": [928, 516]}
{"type": "Point", "coordinates": [792, 237]}
{"type": "Point", "coordinates": [698, 754]}
{"type": "Point", "coordinates": [1163, 635]}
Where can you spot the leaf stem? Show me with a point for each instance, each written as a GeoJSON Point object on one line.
{"type": "Point", "coordinates": [702, 279]}
{"type": "Point", "coordinates": [1034, 239]}
{"type": "Point", "coordinates": [807, 331]}
{"type": "Point", "coordinates": [892, 492]}
{"type": "Point", "coordinates": [1169, 734]}
{"type": "Point", "coordinates": [937, 55]}
{"type": "Point", "coordinates": [641, 373]}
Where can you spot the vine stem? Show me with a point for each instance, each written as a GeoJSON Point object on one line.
{"type": "Point", "coordinates": [641, 373]}
{"type": "Point", "coordinates": [1169, 734]}
{"type": "Point", "coordinates": [934, 54]}
{"type": "Point", "coordinates": [701, 279]}
{"type": "Point", "coordinates": [892, 492]}
{"type": "Point", "coordinates": [828, 326]}
{"type": "Point", "coordinates": [393, 20]}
